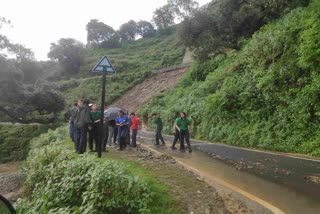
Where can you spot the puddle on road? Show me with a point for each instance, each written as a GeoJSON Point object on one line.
{"type": "Point", "coordinates": [287, 200]}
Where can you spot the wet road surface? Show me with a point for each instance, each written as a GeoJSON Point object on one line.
{"type": "Point", "coordinates": [290, 183]}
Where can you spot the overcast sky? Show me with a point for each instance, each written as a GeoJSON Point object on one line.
{"type": "Point", "coordinates": [37, 23]}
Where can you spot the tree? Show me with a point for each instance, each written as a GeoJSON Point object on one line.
{"type": "Point", "coordinates": [112, 42]}
{"type": "Point", "coordinates": [146, 29]}
{"type": "Point", "coordinates": [69, 53]}
{"type": "Point", "coordinates": [163, 17]}
{"type": "Point", "coordinates": [183, 8]}
{"type": "Point", "coordinates": [20, 99]}
{"type": "Point", "coordinates": [220, 25]}
{"type": "Point", "coordinates": [128, 31]}
{"type": "Point", "coordinates": [98, 32]}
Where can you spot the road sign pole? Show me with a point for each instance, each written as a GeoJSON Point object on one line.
{"type": "Point", "coordinates": [103, 95]}
{"type": "Point", "coordinates": [104, 66]}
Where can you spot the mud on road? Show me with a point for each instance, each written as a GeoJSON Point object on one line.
{"type": "Point", "coordinates": [191, 193]}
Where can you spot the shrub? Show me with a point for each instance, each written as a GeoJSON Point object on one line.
{"type": "Point", "coordinates": [57, 181]}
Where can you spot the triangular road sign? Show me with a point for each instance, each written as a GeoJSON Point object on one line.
{"type": "Point", "coordinates": [104, 65]}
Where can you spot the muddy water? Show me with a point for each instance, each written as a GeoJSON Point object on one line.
{"type": "Point", "coordinates": [286, 199]}
{"type": "Point", "coordinates": [283, 198]}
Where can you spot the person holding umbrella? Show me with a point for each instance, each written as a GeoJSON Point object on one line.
{"type": "Point", "coordinates": [122, 121]}
{"type": "Point", "coordinates": [110, 115]}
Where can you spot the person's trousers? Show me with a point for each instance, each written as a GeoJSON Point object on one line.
{"type": "Point", "coordinates": [110, 134]}
{"type": "Point", "coordinates": [123, 136]}
{"type": "Point", "coordinates": [78, 136]}
{"type": "Point", "coordinates": [94, 136]}
{"type": "Point", "coordinates": [184, 134]}
{"type": "Point", "coordinates": [72, 131]}
{"type": "Point", "coordinates": [81, 139]}
{"type": "Point", "coordinates": [176, 138]}
{"type": "Point", "coordinates": [159, 137]}
{"type": "Point", "coordinates": [134, 137]}
{"type": "Point", "coordinates": [115, 135]}
{"type": "Point", "coordinates": [128, 136]}
{"type": "Point", "coordinates": [104, 136]}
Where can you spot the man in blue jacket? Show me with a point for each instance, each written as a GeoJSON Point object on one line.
{"type": "Point", "coordinates": [122, 121]}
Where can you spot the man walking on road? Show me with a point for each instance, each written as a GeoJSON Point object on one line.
{"type": "Point", "coordinates": [157, 120]}
{"type": "Point", "coordinates": [182, 124]}
{"type": "Point", "coordinates": [134, 127]}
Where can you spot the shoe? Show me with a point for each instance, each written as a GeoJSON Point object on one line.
{"type": "Point", "coordinates": [190, 151]}
{"type": "Point", "coordinates": [173, 148]}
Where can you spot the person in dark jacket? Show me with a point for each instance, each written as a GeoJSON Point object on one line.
{"type": "Point", "coordinates": [81, 122]}
{"type": "Point", "coordinates": [159, 126]}
{"type": "Point", "coordinates": [69, 115]}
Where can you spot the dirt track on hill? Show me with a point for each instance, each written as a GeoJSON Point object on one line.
{"type": "Point", "coordinates": [149, 88]}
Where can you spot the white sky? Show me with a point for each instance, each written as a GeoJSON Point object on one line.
{"type": "Point", "coordinates": [37, 23]}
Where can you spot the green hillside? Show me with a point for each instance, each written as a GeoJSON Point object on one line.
{"type": "Point", "coordinates": [133, 62]}
{"type": "Point", "coordinates": [265, 95]}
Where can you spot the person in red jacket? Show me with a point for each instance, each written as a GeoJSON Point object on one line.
{"type": "Point", "coordinates": [135, 121]}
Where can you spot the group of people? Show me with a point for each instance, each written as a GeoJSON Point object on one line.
{"type": "Point", "coordinates": [84, 119]}
{"type": "Point", "coordinates": [180, 129]}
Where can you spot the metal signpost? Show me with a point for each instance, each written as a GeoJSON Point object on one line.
{"type": "Point", "coordinates": [104, 66]}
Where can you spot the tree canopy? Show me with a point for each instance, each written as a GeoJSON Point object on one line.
{"type": "Point", "coordinates": [24, 97]}
{"type": "Point", "coordinates": [221, 25]}
{"type": "Point", "coordinates": [69, 53]}
{"type": "Point", "coordinates": [98, 33]}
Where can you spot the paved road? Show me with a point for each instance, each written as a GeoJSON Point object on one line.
{"type": "Point", "coordinates": [298, 177]}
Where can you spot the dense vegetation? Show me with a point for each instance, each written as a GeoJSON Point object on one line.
{"type": "Point", "coordinates": [265, 95]}
{"type": "Point", "coordinates": [224, 24]}
{"type": "Point", "coordinates": [84, 184]}
{"type": "Point", "coordinates": [15, 140]}
{"type": "Point", "coordinates": [133, 62]}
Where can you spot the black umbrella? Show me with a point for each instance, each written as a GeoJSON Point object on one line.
{"type": "Point", "coordinates": [112, 112]}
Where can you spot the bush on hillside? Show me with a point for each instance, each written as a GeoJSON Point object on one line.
{"type": "Point", "coordinates": [265, 95]}
{"type": "Point", "coordinates": [57, 181]}
{"type": "Point", "coordinates": [15, 140]}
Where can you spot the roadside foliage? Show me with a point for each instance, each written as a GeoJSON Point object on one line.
{"type": "Point", "coordinates": [59, 181]}
{"type": "Point", "coordinates": [265, 95]}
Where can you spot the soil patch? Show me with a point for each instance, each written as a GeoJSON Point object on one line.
{"type": "Point", "coordinates": [149, 88]}
{"type": "Point", "coordinates": [10, 181]}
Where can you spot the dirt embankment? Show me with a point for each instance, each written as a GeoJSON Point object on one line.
{"type": "Point", "coordinates": [10, 181]}
{"type": "Point", "coordinates": [149, 88]}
